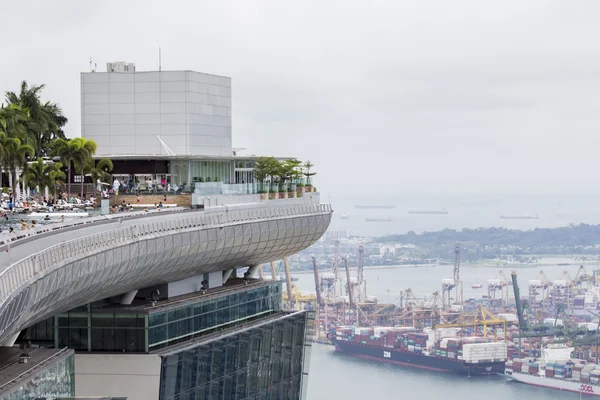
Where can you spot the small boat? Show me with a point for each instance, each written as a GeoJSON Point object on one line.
{"type": "Point", "coordinates": [345, 216]}
{"type": "Point", "coordinates": [477, 286]}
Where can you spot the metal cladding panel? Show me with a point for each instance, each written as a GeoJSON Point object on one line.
{"type": "Point", "coordinates": [169, 255]}
{"type": "Point", "coordinates": [193, 111]}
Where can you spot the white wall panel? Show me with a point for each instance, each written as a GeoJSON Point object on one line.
{"type": "Point", "coordinates": [147, 119]}
{"type": "Point", "coordinates": [95, 109]}
{"type": "Point", "coordinates": [117, 87]}
{"type": "Point", "coordinates": [167, 119]}
{"type": "Point", "coordinates": [173, 129]}
{"type": "Point", "coordinates": [172, 108]}
{"type": "Point", "coordinates": [89, 88]}
{"type": "Point", "coordinates": [149, 97]}
{"type": "Point", "coordinates": [96, 130]}
{"type": "Point", "coordinates": [95, 98]}
{"type": "Point", "coordinates": [122, 119]}
{"type": "Point", "coordinates": [94, 78]}
{"type": "Point", "coordinates": [99, 119]}
{"type": "Point", "coordinates": [146, 87]}
{"type": "Point", "coordinates": [121, 77]}
{"type": "Point", "coordinates": [118, 98]}
{"type": "Point", "coordinates": [151, 76]}
{"type": "Point", "coordinates": [122, 109]}
{"type": "Point", "coordinates": [172, 97]}
{"type": "Point", "coordinates": [122, 130]}
{"type": "Point", "coordinates": [149, 131]}
{"type": "Point", "coordinates": [146, 108]}
{"type": "Point", "coordinates": [178, 87]}
{"type": "Point", "coordinates": [170, 76]}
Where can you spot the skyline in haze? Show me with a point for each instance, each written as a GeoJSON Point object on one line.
{"type": "Point", "coordinates": [385, 98]}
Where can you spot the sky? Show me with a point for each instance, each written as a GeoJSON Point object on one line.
{"type": "Point", "coordinates": [384, 97]}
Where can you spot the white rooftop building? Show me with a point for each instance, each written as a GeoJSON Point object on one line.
{"type": "Point", "coordinates": [156, 113]}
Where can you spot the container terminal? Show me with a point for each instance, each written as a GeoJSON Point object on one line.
{"type": "Point", "coordinates": [549, 332]}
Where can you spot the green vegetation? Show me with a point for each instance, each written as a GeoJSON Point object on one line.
{"type": "Point", "coordinates": [496, 243]}
{"type": "Point", "coordinates": [280, 172]}
{"type": "Point", "coordinates": [31, 133]}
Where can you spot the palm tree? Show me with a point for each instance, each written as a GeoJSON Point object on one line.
{"type": "Point", "coordinates": [15, 157]}
{"type": "Point", "coordinates": [45, 120]}
{"type": "Point", "coordinates": [307, 166]}
{"type": "Point", "coordinates": [41, 175]}
{"type": "Point", "coordinates": [74, 152]}
{"type": "Point", "coordinates": [100, 171]}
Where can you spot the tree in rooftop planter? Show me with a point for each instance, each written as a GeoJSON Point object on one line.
{"type": "Point", "coordinates": [308, 174]}
{"type": "Point", "coordinates": [265, 167]}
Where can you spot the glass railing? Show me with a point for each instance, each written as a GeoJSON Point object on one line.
{"type": "Point", "coordinates": [236, 189]}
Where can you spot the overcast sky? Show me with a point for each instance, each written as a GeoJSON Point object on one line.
{"type": "Point", "coordinates": [383, 96]}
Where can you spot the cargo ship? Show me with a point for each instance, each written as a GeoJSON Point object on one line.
{"type": "Point", "coordinates": [387, 219]}
{"type": "Point", "coordinates": [519, 217]}
{"type": "Point", "coordinates": [374, 206]}
{"type": "Point", "coordinates": [436, 350]}
{"type": "Point", "coordinates": [429, 212]}
{"type": "Point", "coordinates": [556, 370]}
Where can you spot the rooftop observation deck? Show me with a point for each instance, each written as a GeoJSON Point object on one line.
{"type": "Point", "coordinates": [56, 267]}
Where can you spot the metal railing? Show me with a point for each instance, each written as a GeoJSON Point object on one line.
{"type": "Point", "coordinates": [21, 272]}
{"type": "Point", "coordinates": [15, 237]}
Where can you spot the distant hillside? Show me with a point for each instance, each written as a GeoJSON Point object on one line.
{"type": "Point", "coordinates": [575, 239]}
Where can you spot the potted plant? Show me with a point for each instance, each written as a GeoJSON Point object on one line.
{"type": "Point", "coordinates": [308, 174]}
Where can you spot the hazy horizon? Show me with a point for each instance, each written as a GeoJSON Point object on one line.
{"type": "Point", "coordinates": [385, 97]}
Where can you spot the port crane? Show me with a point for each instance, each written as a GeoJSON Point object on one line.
{"type": "Point", "coordinates": [479, 317]}
{"type": "Point", "coordinates": [357, 288]}
{"type": "Point", "coordinates": [454, 282]}
{"type": "Point", "coordinates": [499, 283]}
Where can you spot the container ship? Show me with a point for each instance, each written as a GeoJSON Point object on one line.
{"type": "Point", "coordinates": [387, 219]}
{"type": "Point", "coordinates": [429, 212]}
{"type": "Point", "coordinates": [519, 217]}
{"type": "Point", "coordinates": [374, 206]}
{"type": "Point", "coordinates": [436, 350]}
{"type": "Point", "coordinates": [556, 370]}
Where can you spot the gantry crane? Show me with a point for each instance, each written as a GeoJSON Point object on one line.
{"type": "Point", "coordinates": [479, 317]}
{"type": "Point", "coordinates": [454, 282]}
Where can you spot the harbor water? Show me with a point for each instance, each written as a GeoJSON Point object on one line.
{"type": "Point", "coordinates": [333, 375]}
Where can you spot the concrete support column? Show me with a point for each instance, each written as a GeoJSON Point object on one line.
{"type": "Point", "coordinates": [252, 270]}
{"type": "Point", "coordinates": [11, 340]}
{"type": "Point", "coordinates": [227, 274]}
{"type": "Point", "coordinates": [127, 298]}
{"type": "Point", "coordinates": [261, 275]}
{"type": "Point", "coordinates": [273, 271]}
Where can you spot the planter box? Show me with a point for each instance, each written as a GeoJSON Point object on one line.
{"type": "Point", "coordinates": [291, 195]}
{"type": "Point", "coordinates": [264, 196]}
{"type": "Point", "coordinates": [283, 195]}
{"type": "Point", "coordinates": [272, 196]}
{"type": "Point", "coordinates": [308, 189]}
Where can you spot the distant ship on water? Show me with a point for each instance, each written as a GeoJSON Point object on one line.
{"type": "Point", "coordinates": [345, 216]}
{"type": "Point", "coordinates": [519, 217]}
{"type": "Point", "coordinates": [387, 219]}
{"type": "Point", "coordinates": [429, 212]}
{"type": "Point", "coordinates": [374, 206]}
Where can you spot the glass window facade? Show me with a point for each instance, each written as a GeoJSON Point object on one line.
{"type": "Point", "coordinates": [264, 362]}
{"type": "Point", "coordinates": [102, 332]}
{"type": "Point", "coordinates": [179, 324]}
{"type": "Point", "coordinates": [206, 171]}
{"type": "Point", "coordinates": [98, 330]}
{"type": "Point", "coordinates": [57, 381]}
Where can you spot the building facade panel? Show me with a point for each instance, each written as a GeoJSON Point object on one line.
{"type": "Point", "coordinates": [161, 98]}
